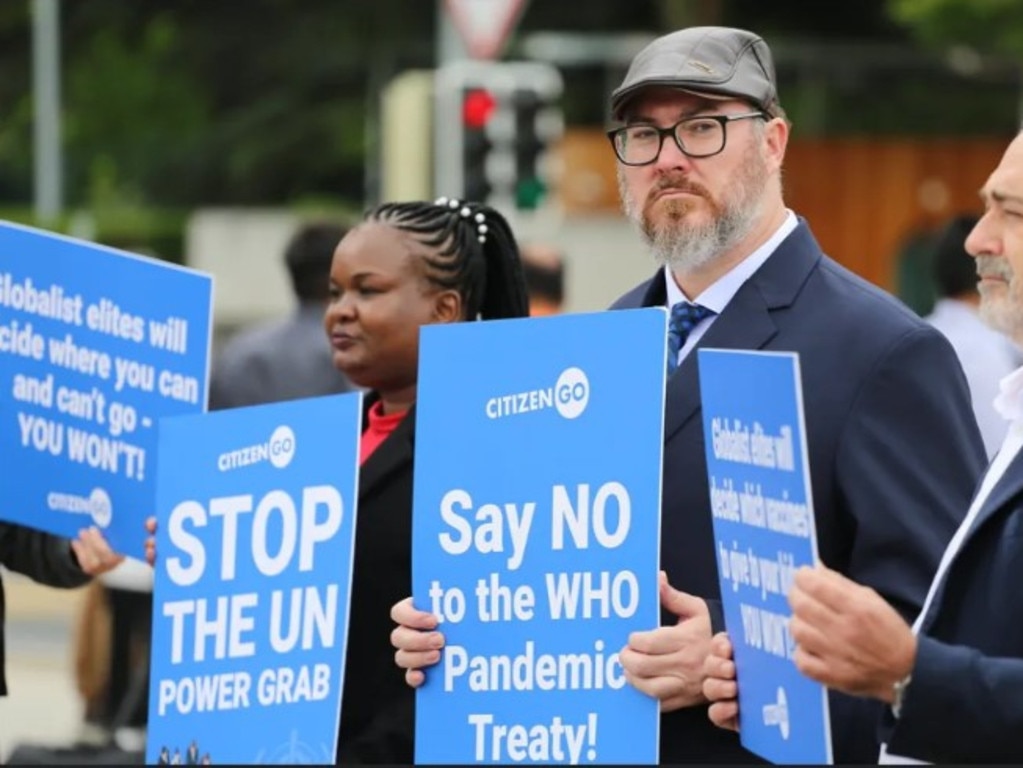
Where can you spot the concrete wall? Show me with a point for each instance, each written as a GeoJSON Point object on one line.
{"type": "Point", "coordinates": [244, 251]}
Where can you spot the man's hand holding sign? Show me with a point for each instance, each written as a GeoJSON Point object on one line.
{"type": "Point", "coordinates": [667, 662]}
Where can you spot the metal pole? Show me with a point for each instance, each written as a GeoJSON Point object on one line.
{"type": "Point", "coordinates": [450, 46]}
{"type": "Point", "coordinates": [46, 92]}
{"type": "Point", "coordinates": [447, 125]}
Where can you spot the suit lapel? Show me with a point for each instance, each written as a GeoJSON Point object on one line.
{"type": "Point", "coordinates": [392, 454]}
{"type": "Point", "coordinates": [1009, 485]}
{"type": "Point", "coordinates": [746, 321]}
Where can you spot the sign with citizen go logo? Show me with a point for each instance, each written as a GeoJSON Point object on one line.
{"type": "Point", "coordinates": [538, 455]}
{"type": "Point", "coordinates": [252, 587]}
{"type": "Point", "coordinates": [96, 347]}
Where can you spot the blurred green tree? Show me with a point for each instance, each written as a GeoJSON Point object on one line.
{"type": "Point", "coordinates": [992, 26]}
{"type": "Point", "coordinates": [267, 102]}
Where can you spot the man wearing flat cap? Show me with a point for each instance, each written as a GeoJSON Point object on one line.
{"type": "Point", "coordinates": [700, 153]}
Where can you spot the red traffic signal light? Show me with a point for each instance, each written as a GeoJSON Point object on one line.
{"type": "Point", "coordinates": [477, 107]}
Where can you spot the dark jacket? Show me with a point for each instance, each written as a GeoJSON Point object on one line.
{"type": "Point", "coordinates": [964, 703]}
{"type": "Point", "coordinates": [282, 359]}
{"type": "Point", "coordinates": [894, 454]}
{"type": "Point", "coordinates": [40, 556]}
{"type": "Point", "coordinates": [377, 710]}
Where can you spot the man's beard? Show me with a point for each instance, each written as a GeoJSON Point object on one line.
{"type": "Point", "coordinates": [1003, 312]}
{"type": "Point", "coordinates": [686, 247]}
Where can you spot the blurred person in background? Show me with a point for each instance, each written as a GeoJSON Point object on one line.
{"type": "Point", "coordinates": [285, 359]}
{"type": "Point", "coordinates": [544, 267]}
{"type": "Point", "coordinates": [112, 656]}
{"type": "Point", "coordinates": [111, 642]}
{"type": "Point", "coordinates": [987, 355]}
{"type": "Point", "coordinates": [700, 154]}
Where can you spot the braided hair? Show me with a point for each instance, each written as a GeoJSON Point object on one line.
{"type": "Point", "coordinates": [472, 251]}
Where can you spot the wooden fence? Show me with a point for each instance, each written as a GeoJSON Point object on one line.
{"type": "Point", "coordinates": [864, 197]}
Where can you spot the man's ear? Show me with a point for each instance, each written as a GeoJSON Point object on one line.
{"type": "Point", "coordinates": [447, 307]}
{"type": "Point", "coordinates": [777, 135]}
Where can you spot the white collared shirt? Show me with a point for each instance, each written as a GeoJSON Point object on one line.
{"type": "Point", "coordinates": [986, 355]}
{"type": "Point", "coordinates": [717, 295]}
{"type": "Point", "coordinates": [1009, 403]}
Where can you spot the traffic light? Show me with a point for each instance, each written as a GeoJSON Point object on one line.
{"type": "Point", "coordinates": [496, 126]}
{"type": "Point", "coordinates": [538, 124]}
{"type": "Point", "coordinates": [478, 105]}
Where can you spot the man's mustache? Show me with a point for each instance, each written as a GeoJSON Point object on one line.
{"type": "Point", "coordinates": [676, 183]}
{"type": "Point", "coordinates": [994, 266]}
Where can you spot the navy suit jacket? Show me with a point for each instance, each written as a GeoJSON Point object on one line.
{"type": "Point", "coordinates": [965, 701]}
{"type": "Point", "coordinates": [893, 444]}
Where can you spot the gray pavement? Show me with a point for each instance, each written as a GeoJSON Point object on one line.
{"type": "Point", "coordinates": [43, 706]}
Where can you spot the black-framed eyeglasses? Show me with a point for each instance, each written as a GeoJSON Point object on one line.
{"type": "Point", "coordinates": [701, 136]}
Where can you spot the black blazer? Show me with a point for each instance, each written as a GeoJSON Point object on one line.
{"type": "Point", "coordinates": [964, 703]}
{"type": "Point", "coordinates": [894, 454]}
{"type": "Point", "coordinates": [377, 710]}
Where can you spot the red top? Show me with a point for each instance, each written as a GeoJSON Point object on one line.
{"type": "Point", "coordinates": [380, 426]}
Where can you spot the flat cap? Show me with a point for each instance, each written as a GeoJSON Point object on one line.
{"type": "Point", "coordinates": [717, 61]}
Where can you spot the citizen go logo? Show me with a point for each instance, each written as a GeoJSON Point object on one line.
{"type": "Point", "coordinates": [572, 392]}
{"type": "Point", "coordinates": [279, 450]}
{"type": "Point", "coordinates": [101, 507]}
{"type": "Point", "coordinates": [282, 446]}
{"type": "Point", "coordinates": [569, 396]}
{"type": "Point", "coordinates": [97, 505]}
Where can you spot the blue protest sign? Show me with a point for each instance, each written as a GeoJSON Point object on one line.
{"type": "Point", "coordinates": [256, 510]}
{"type": "Point", "coordinates": [95, 346]}
{"type": "Point", "coordinates": [759, 476]}
{"type": "Point", "coordinates": [536, 528]}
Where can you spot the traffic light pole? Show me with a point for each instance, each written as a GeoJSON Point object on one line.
{"type": "Point", "coordinates": [48, 175]}
{"type": "Point", "coordinates": [450, 46]}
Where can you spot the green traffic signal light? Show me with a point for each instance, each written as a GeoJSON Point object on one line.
{"type": "Point", "coordinates": [530, 193]}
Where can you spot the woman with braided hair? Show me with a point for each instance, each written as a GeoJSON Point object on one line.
{"type": "Point", "coordinates": [406, 265]}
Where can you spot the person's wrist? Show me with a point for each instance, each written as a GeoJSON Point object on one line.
{"type": "Point", "coordinates": [904, 675]}
{"type": "Point", "coordinates": [899, 690]}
